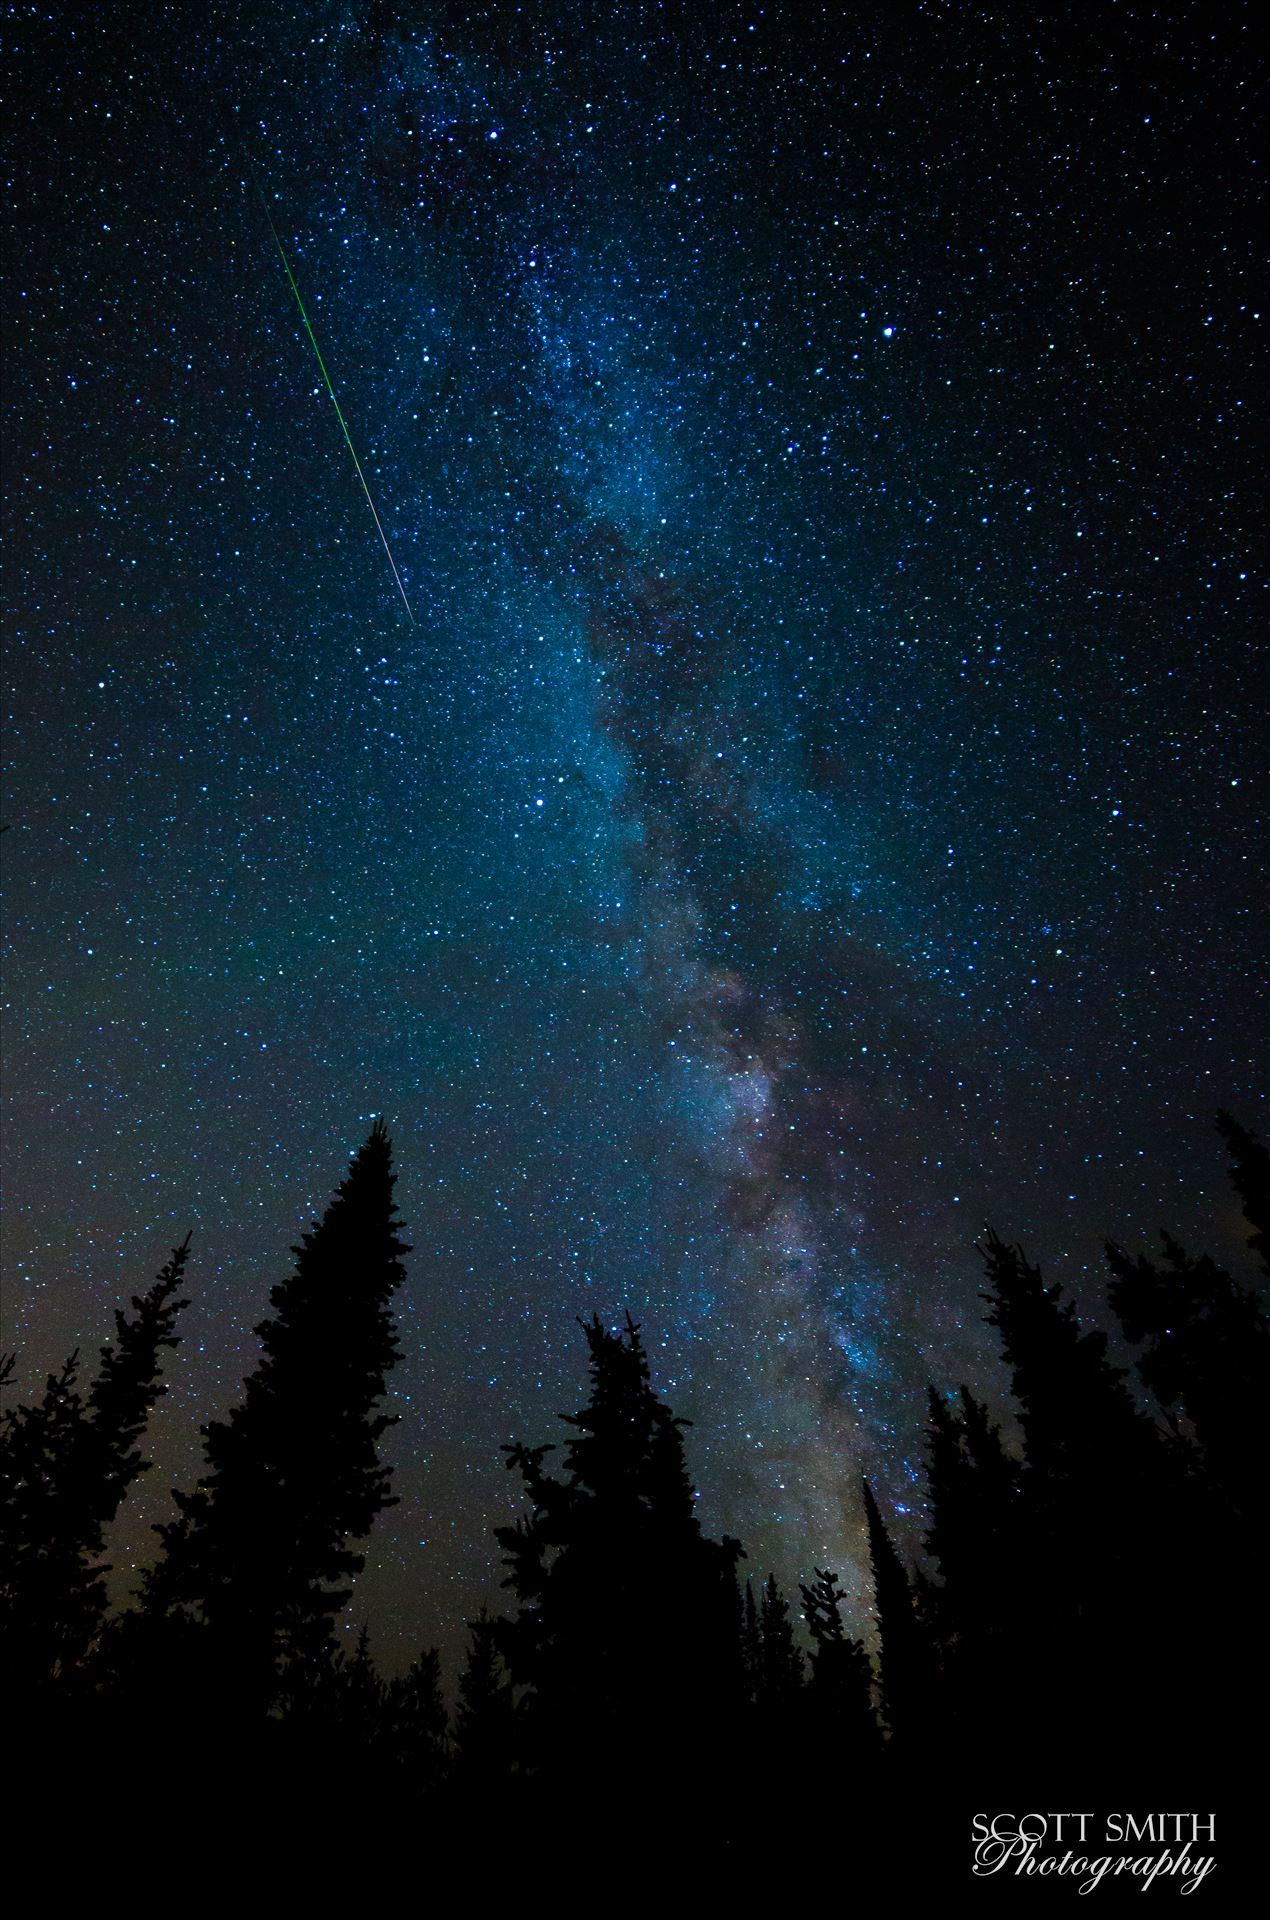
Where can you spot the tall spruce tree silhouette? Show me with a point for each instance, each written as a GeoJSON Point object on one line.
{"type": "Point", "coordinates": [384, 1736]}
{"type": "Point", "coordinates": [485, 1718]}
{"type": "Point", "coordinates": [772, 1671]}
{"type": "Point", "coordinates": [1098, 1492]}
{"type": "Point", "coordinates": [260, 1558]}
{"type": "Point", "coordinates": [976, 1606]}
{"type": "Point", "coordinates": [906, 1662]}
{"type": "Point", "coordinates": [1057, 1368]}
{"type": "Point", "coordinates": [66, 1463]}
{"type": "Point", "coordinates": [780, 1663]}
{"type": "Point", "coordinates": [841, 1722]}
{"type": "Point", "coordinates": [626, 1635]}
{"type": "Point", "coordinates": [1205, 1355]}
{"type": "Point", "coordinates": [1205, 1343]}
{"type": "Point", "coordinates": [1204, 1352]}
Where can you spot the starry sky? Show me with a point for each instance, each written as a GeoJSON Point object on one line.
{"type": "Point", "coordinates": [808, 806]}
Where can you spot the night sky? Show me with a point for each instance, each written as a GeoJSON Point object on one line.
{"type": "Point", "coordinates": [813, 808]}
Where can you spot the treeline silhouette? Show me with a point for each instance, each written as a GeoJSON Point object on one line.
{"type": "Point", "coordinates": [1087, 1608]}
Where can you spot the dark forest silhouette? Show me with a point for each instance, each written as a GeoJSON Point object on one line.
{"type": "Point", "coordinates": [1085, 1603]}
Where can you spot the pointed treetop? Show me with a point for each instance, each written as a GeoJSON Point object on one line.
{"type": "Point", "coordinates": [263, 1550]}
{"type": "Point", "coordinates": [1056, 1364]}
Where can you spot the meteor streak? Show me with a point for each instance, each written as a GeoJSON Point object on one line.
{"type": "Point", "coordinates": [348, 438]}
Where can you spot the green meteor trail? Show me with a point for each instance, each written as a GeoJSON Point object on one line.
{"type": "Point", "coordinates": [348, 438]}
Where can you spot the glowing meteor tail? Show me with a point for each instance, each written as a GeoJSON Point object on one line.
{"type": "Point", "coordinates": [348, 438]}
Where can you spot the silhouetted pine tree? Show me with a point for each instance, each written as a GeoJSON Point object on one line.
{"type": "Point", "coordinates": [1057, 1368]}
{"type": "Point", "coordinates": [780, 1668]}
{"type": "Point", "coordinates": [416, 1726]}
{"type": "Point", "coordinates": [65, 1465]}
{"type": "Point", "coordinates": [1205, 1355]}
{"type": "Point", "coordinates": [625, 1638]}
{"type": "Point", "coordinates": [485, 1728]}
{"type": "Point", "coordinates": [260, 1557]}
{"type": "Point", "coordinates": [1098, 1493]}
{"type": "Point", "coordinates": [385, 1736]}
{"type": "Point", "coordinates": [976, 1605]}
{"type": "Point", "coordinates": [333, 1703]}
{"type": "Point", "coordinates": [906, 1662]}
{"type": "Point", "coordinates": [839, 1695]}
{"type": "Point", "coordinates": [1206, 1344]}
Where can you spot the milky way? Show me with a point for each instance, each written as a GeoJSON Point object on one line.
{"type": "Point", "coordinates": [816, 808]}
